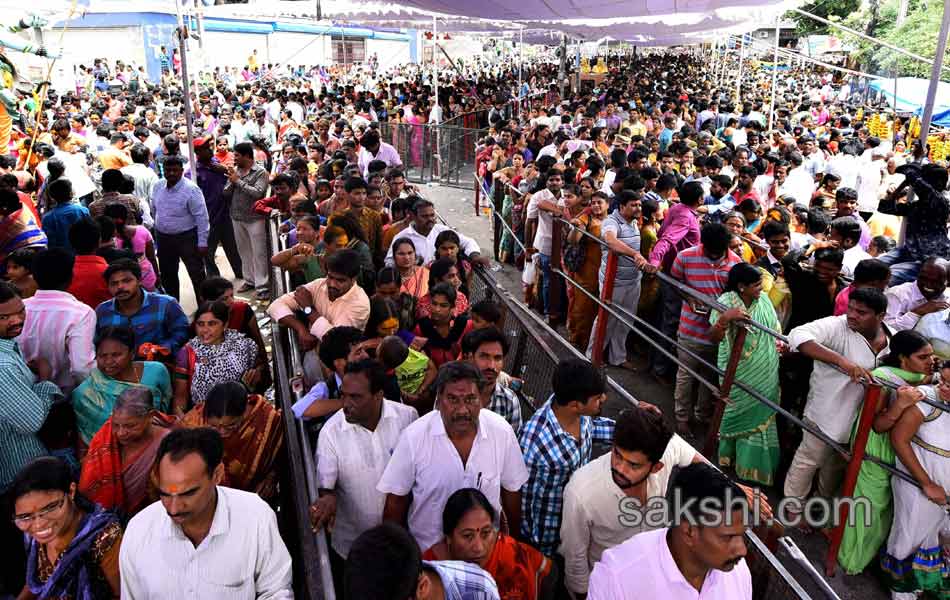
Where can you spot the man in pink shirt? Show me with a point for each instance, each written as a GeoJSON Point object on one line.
{"type": "Point", "coordinates": [316, 307]}
{"type": "Point", "coordinates": [691, 559]}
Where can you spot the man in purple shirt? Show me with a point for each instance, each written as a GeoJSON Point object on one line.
{"type": "Point", "coordinates": [680, 230]}
{"type": "Point", "coordinates": [212, 176]}
{"type": "Point", "coordinates": [372, 148]}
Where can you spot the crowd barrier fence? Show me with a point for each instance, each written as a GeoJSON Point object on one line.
{"type": "Point", "coordinates": [312, 577]}
{"type": "Point", "coordinates": [663, 344]}
{"type": "Point", "coordinates": [433, 153]}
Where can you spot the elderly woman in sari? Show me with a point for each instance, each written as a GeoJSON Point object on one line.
{"type": "Point", "coordinates": [468, 524]}
{"type": "Point", "coordinates": [116, 372]}
{"type": "Point", "coordinates": [73, 544]}
{"type": "Point", "coordinates": [252, 432]}
{"type": "Point", "coordinates": [215, 355]}
{"type": "Point", "coordinates": [115, 471]}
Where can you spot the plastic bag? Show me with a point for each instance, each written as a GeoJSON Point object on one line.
{"type": "Point", "coordinates": [530, 272]}
{"type": "Point", "coordinates": [529, 278]}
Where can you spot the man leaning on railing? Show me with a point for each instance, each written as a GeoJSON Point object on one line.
{"type": "Point", "coordinates": [845, 349]}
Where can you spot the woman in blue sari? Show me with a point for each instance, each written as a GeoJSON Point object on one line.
{"type": "Point", "coordinates": [73, 544]}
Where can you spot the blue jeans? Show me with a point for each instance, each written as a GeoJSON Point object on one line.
{"type": "Point", "coordinates": [903, 266]}
{"type": "Point", "coordinates": [545, 264]}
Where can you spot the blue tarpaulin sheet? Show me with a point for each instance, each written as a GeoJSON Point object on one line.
{"type": "Point", "coordinates": [912, 95]}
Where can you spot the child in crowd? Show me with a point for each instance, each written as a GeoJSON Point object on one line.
{"type": "Point", "coordinates": [486, 313]}
{"type": "Point", "coordinates": [338, 346]}
{"type": "Point", "coordinates": [19, 267]}
{"type": "Point", "coordinates": [448, 245]}
{"type": "Point", "coordinates": [881, 245]}
{"type": "Point", "coordinates": [411, 370]}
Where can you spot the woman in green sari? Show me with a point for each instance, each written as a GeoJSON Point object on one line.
{"type": "Point", "coordinates": [116, 371]}
{"type": "Point", "coordinates": [909, 363]}
{"type": "Point", "coordinates": [748, 438]}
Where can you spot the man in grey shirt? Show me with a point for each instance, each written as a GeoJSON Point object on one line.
{"type": "Point", "coordinates": [619, 231]}
{"type": "Point", "coordinates": [247, 183]}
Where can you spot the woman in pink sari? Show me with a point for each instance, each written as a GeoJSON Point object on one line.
{"type": "Point", "coordinates": [416, 118]}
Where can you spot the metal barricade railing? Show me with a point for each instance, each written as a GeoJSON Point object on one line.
{"type": "Point", "coordinates": [662, 343]}
{"type": "Point", "coordinates": [770, 579]}
{"type": "Point", "coordinates": [433, 153]}
{"type": "Point", "coordinates": [313, 578]}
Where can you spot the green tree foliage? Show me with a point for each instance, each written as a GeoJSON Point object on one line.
{"type": "Point", "coordinates": [918, 34]}
{"type": "Point", "coordinates": [832, 10]}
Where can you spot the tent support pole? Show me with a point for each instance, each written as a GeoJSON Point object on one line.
{"type": "Point", "coordinates": [739, 76]}
{"type": "Point", "coordinates": [774, 74]}
{"type": "Point", "coordinates": [929, 105]}
{"type": "Point", "coordinates": [520, 66]}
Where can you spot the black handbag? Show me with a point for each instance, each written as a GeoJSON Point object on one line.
{"type": "Point", "coordinates": [574, 254]}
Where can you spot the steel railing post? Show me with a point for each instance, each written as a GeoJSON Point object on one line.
{"type": "Point", "coordinates": [606, 296]}
{"type": "Point", "coordinates": [872, 395]}
{"type": "Point", "coordinates": [712, 436]}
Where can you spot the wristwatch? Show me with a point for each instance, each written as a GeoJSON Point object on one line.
{"type": "Point", "coordinates": [307, 310]}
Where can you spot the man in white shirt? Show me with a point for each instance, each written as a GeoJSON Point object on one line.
{"type": "Point", "coordinates": [870, 181]}
{"type": "Point", "coordinates": [854, 343]}
{"type": "Point", "coordinates": [799, 184]}
{"type": "Point", "coordinates": [908, 302]}
{"type": "Point", "coordinates": [373, 148]}
{"type": "Point", "coordinates": [605, 499]}
{"type": "Point", "coordinates": [202, 540]}
{"type": "Point", "coordinates": [846, 166]}
{"type": "Point", "coordinates": [353, 450]}
{"type": "Point", "coordinates": [58, 327]}
{"type": "Point", "coordinates": [144, 177]}
{"type": "Point", "coordinates": [542, 207]}
{"type": "Point", "coordinates": [458, 445]}
{"type": "Point", "coordinates": [699, 556]}
{"type": "Point", "coordinates": [423, 230]}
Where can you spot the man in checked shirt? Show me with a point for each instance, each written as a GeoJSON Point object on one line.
{"type": "Point", "coordinates": [556, 441]}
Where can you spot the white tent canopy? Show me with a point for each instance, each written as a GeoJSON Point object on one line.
{"type": "Point", "coordinates": [558, 10]}
{"type": "Point", "coordinates": [690, 21]}
{"type": "Point", "coordinates": [641, 22]}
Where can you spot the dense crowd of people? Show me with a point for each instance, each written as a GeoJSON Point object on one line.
{"type": "Point", "coordinates": [141, 453]}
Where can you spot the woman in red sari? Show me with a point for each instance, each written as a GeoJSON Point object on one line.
{"type": "Point", "coordinates": [252, 432]}
{"type": "Point", "coordinates": [115, 471]}
{"type": "Point", "coordinates": [468, 523]}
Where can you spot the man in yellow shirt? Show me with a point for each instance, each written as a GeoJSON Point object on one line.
{"type": "Point", "coordinates": [634, 124]}
{"type": "Point", "coordinates": [115, 156]}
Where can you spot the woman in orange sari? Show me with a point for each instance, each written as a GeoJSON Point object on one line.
{"type": "Point", "coordinates": [581, 309]}
{"type": "Point", "coordinates": [253, 436]}
{"type": "Point", "coordinates": [115, 471]}
{"type": "Point", "coordinates": [468, 523]}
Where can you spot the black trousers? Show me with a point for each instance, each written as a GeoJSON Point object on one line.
{"type": "Point", "coordinates": [223, 233]}
{"type": "Point", "coordinates": [174, 247]}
